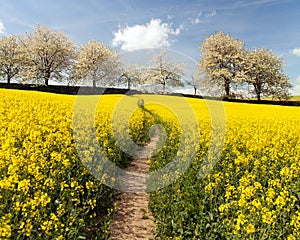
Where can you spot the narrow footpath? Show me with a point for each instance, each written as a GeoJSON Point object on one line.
{"type": "Point", "coordinates": [133, 219]}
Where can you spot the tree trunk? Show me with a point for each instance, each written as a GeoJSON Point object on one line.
{"type": "Point", "coordinates": [94, 83]}
{"type": "Point", "coordinates": [257, 88]}
{"type": "Point", "coordinates": [227, 89]}
{"type": "Point", "coordinates": [8, 79]}
{"type": "Point", "coordinates": [195, 91]}
{"type": "Point", "coordinates": [47, 77]}
{"type": "Point", "coordinates": [258, 97]}
{"type": "Point", "coordinates": [128, 84]}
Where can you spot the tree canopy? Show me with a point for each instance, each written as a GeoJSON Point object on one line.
{"type": "Point", "coordinates": [47, 54]}
{"type": "Point", "coordinates": [131, 75]}
{"type": "Point", "coordinates": [10, 57]}
{"type": "Point", "coordinates": [163, 72]}
{"type": "Point", "coordinates": [97, 63]}
{"type": "Point", "coordinates": [198, 80]}
{"type": "Point", "coordinates": [229, 64]}
{"type": "Point", "coordinates": [221, 56]}
{"type": "Point", "coordinates": [264, 72]}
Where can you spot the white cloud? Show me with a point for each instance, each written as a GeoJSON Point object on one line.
{"type": "Point", "coordinates": [178, 30]}
{"type": "Point", "coordinates": [296, 51]}
{"type": "Point", "coordinates": [154, 34]}
{"type": "Point", "coordinates": [211, 14]}
{"type": "Point", "coordinates": [2, 28]}
{"type": "Point", "coordinates": [296, 90]}
{"type": "Point", "coordinates": [196, 20]}
{"type": "Point", "coordinates": [201, 17]}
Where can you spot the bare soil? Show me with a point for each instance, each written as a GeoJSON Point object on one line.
{"type": "Point", "coordinates": [134, 219]}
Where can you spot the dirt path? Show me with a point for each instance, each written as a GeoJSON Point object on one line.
{"type": "Point", "coordinates": [133, 219]}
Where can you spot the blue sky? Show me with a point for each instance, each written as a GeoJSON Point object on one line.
{"type": "Point", "coordinates": [178, 25]}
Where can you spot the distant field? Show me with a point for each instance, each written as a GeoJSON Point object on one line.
{"type": "Point", "coordinates": [294, 98]}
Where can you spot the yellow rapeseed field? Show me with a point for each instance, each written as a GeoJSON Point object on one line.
{"type": "Point", "coordinates": [251, 190]}
{"type": "Point", "coordinates": [46, 192]}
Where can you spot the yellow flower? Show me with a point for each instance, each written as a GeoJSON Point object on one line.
{"type": "Point", "coordinates": [209, 187]}
{"type": "Point", "coordinates": [280, 201]}
{"type": "Point", "coordinates": [250, 228]}
{"type": "Point", "coordinates": [268, 216]}
{"type": "Point", "coordinates": [24, 185]}
{"type": "Point", "coordinates": [256, 203]}
{"type": "Point", "coordinates": [242, 202]}
{"type": "Point", "coordinates": [89, 185]}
